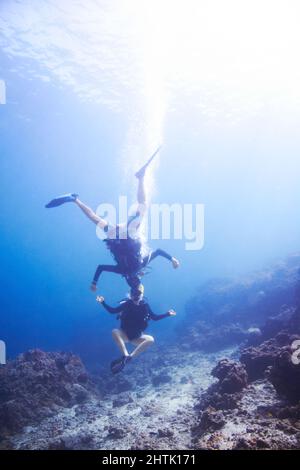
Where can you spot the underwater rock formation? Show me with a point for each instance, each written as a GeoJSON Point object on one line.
{"type": "Point", "coordinates": [285, 375]}
{"type": "Point", "coordinates": [259, 358]}
{"type": "Point", "coordinates": [232, 376]}
{"type": "Point", "coordinates": [224, 394]}
{"type": "Point", "coordinates": [255, 419]}
{"type": "Point", "coordinates": [131, 412]}
{"type": "Point", "coordinates": [37, 384]}
{"type": "Point", "coordinates": [206, 337]}
{"type": "Point", "coordinates": [250, 309]}
{"type": "Point", "coordinates": [179, 396]}
{"type": "Point", "coordinates": [263, 414]}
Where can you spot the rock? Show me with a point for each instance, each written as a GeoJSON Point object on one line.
{"type": "Point", "coordinates": [165, 433]}
{"type": "Point", "coordinates": [231, 414]}
{"type": "Point", "coordinates": [161, 379]}
{"type": "Point", "coordinates": [294, 323]}
{"type": "Point", "coordinates": [36, 384]}
{"type": "Point", "coordinates": [251, 443]}
{"type": "Point", "coordinates": [227, 312]}
{"type": "Point", "coordinates": [211, 420]}
{"type": "Point", "coordinates": [292, 411]}
{"type": "Point", "coordinates": [232, 376]}
{"type": "Point", "coordinates": [119, 384]}
{"type": "Point", "coordinates": [204, 337]}
{"type": "Point", "coordinates": [258, 359]}
{"type": "Point", "coordinates": [115, 432]}
{"type": "Point", "coordinates": [221, 401]}
{"type": "Point", "coordinates": [78, 393]}
{"type": "Point", "coordinates": [122, 400]}
{"type": "Point", "coordinates": [284, 375]}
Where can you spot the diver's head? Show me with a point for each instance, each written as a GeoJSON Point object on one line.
{"type": "Point", "coordinates": [137, 293]}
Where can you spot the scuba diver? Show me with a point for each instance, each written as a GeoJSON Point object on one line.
{"type": "Point", "coordinates": [122, 239]}
{"type": "Point", "coordinates": [134, 314]}
{"type": "Point", "coordinates": [130, 263]}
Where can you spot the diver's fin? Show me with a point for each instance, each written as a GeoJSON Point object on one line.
{"type": "Point", "coordinates": [58, 201]}
{"type": "Point", "coordinates": [141, 172]}
{"type": "Point", "coordinates": [118, 364]}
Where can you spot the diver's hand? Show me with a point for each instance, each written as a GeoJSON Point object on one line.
{"type": "Point", "coordinates": [172, 313]}
{"type": "Point", "coordinates": [93, 287]}
{"type": "Point", "coordinates": [175, 263]}
{"type": "Point", "coordinates": [100, 299]}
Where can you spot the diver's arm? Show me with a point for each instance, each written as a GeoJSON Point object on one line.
{"type": "Point", "coordinates": [97, 274]}
{"type": "Point", "coordinates": [104, 268]}
{"type": "Point", "coordinates": [153, 316]}
{"type": "Point", "coordinates": [96, 278]}
{"type": "Point", "coordinates": [107, 307]}
{"type": "Point", "coordinates": [112, 309]}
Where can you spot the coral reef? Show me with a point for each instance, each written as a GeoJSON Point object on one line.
{"type": "Point", "coordinates": [256, 419]}
{"type": "Point", "coordinates": [232, 376]}
{"type": "Point", "coordinates": [251, 309]}
{"type": "Point", "coordinates": [128, 412]}
{"type": "Point", "coordinates": [192, 395]}
{"type": "Point", "coordinates": [256, 402]}
{"type": "Point", "coordinates": [37, 384]}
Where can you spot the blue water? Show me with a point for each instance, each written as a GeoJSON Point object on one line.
{"type": "Point", "coordinates": [53, 140]}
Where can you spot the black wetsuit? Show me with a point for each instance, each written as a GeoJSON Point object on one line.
{"type": "Point", "coordinates": [134, 317]}
{"type": "Point", "coordinates": [127, 254]}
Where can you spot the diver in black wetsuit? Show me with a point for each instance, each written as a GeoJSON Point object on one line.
{"type": "Point", "coordinates": [134, 314]}
{"type": "Point", "coordinates": [127, 249]}
{"type": "Point", "coordinates": [130, 262]}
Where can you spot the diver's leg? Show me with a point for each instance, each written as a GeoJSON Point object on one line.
{"type": "Point", "coordinates": [118, 364]}
{"type": "Point", "coordinates": [120, 338]}
{"type": "Point", "coordinates": [164, 254]}
{"type": "Point", "coordinates": [107, 268]}
{"type": "Point", "coordinates": [141, 344]}
{"type": "Point", "coordinates": [91, 214]}
{"type": "Point", "coordinates": [141, 172]}
{"type": "Point", "coordinates": [58, 201]}
{"type": "Point", "coordinates": [135, 222]}
{"type": "Point", "coordinates": [141, 192]}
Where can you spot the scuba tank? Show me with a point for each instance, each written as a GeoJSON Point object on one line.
{"type": "Point", "coordinates": [127, 253]}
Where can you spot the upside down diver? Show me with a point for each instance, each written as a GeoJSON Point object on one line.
{"type": "Point", "coordinates": [123, 240]}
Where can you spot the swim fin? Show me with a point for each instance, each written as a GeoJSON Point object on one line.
{"type": "Point", "coordinates": [58, 201]}
{"type": "Point", "coordinates": [118, 364]}
{"type": "Point", "coordinates": [141, 172]}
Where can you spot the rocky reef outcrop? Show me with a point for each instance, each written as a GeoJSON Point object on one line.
{"type": "Point", "coordinates": [149, 406]}
{"type": "Point", "coordinates": [256, 402]}
{"type": "Point", "coordinates": [257, 359]}
{"type": "Point", "coordinates": [193, 394]}
{"type": "Point", "coordinates": [232, 376]}
{"type": "Point", "coordinates": [247, 310]}
{"type": "Point", "coordinates": [38, 384]}
{"type": "Point", "coordinates": [285, 372]}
